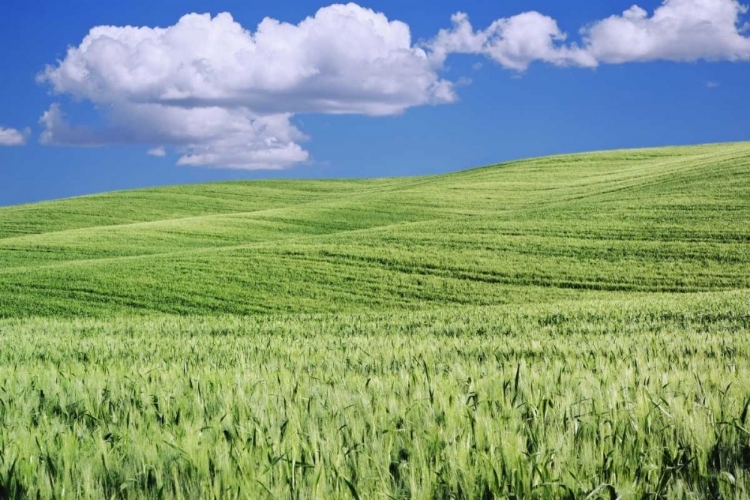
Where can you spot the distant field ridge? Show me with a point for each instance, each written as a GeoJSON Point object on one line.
{"type": "Point", "coordinates": [541, 230]}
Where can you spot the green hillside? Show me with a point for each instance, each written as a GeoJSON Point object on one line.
{"type": "Point", "coordinates": [573, 327]}
{"type": "Point", "coordinates": [568, 227]}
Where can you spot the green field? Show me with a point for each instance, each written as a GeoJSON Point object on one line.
{"type": "Point", "coordinates": [566, 327]}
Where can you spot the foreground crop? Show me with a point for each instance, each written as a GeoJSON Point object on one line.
{"type": "Point", "coordinates": [596, 401]}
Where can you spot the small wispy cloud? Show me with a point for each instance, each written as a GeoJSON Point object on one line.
{"type": "Point", "coordinates": [712, 85]}
{"type": "Point", "coordinates": [158, 151]}
{"type": "Point", "coordinates": [13, 137]}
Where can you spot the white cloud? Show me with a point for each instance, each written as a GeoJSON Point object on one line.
{"type": "Point", "coordinates": [222, 95]}
{"type": "Point", "coordinates": [513, 42]}
{"type": "Point", "coordinates": [13, 137]}
{"type": "Point", "coordinates": [207, 136]}
{"type": "Point", "coordinates": [158, 151]}
{"type": "Point", "coordinates": [712, 85]}
{"type": "Point", "coordinates": [345, 59]}
{"type": "Point", "coordinates": [678, 30]}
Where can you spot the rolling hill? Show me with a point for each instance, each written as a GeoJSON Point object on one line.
{"type": "Point", "coordinates": [567, 327]}
{"type": "Point", "coordinates": [541, 230]}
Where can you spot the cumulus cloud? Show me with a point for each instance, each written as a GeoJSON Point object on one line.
{"type": "Point", "coordinates": [13, 137]}
{"type": "Point", "coordinates": [206, 136]}
{"type": "Point", "coordinates": [345, 59]}
{"type": "Point", "coordinates": [223, 95]}
{"type": "Point", "coordinates": [514, 42]}
{"type": "Point", "coordinates": [678, 30]}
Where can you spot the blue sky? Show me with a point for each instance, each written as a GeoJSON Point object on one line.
{"type": "Point", "coordinates": [344, 94]}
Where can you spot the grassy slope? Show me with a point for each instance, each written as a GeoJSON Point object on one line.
{"type": "Point", "coordinates": [436, 364]}
{"type": "Point", "coordinates": [568, 227]}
